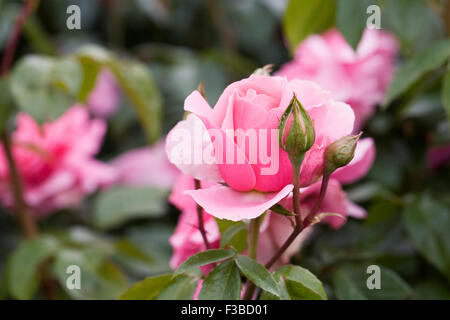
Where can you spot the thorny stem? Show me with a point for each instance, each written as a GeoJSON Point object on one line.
{"type": "Point", "coordinates": [201, 224]}
{"type": "Point", "coordinates": [28, 225]}
{"type": "Point", "coordinates": [299, 227]}
{"type": "Point", "coordinates": [253, 236]}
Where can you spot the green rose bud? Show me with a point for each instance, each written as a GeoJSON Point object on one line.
{"type": "Point", "coordinates": [299, 137]}
{"type": "Point", "coordinates": [340, 153]}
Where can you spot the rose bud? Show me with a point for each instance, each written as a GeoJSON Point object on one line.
{"type": "Point", "coordinates": [340, 153]}
{"type": "Point", "coordinates": [300, 136]}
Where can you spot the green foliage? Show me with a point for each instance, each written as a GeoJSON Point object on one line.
{"type": "Point", "coordinates": [351, 284]}
{"type": "Point", "coordinates": [259, 275]}
{"type": "Point", "coordinates": [427, 221]}
{"type": "Point", "coordinates": [147, 289]}
{"type": "Point", "coordinates": [305, 17]}
{"type": "Point", "coordinates": [23, 273]}
{"type": "Point", "coordinates": [135, 80]}
{"type": "Point", "coordinates": [446, 93]}
{"type": "Point", "coordinates": [426, 61]}
{"type": "Point", "coordinates": [181, 287]}
{"type": "Point", "coordinates": [233, 234]}
{"type": "Point", "coordinates": [351, 19]}
{"type": "Point", "coordinates": [6, 102]}
{"type": "Point", "coordinates": [204, 258]}
{"type": "Point", "coordinates": [120, 204]}
{"type": "Point", "coordinates": [44, 86]}
{"type": "Point", "coordinates": [223, 283]}
{"type": "Point", "coordinates": [297, 283]}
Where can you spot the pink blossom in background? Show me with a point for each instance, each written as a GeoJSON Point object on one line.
{"type": "Point", "coordinates": [254, 103]}
{"type": "Point", "coordinates": [56, 161]}
{"type": "Point", "coordinates": [104, 98]}
{"type": "Point", "coordinates": [438, 156]}
{"type": "Point", "coordinates": [146, 166]}
{"type": "Point", "coordinates": [358, 78]}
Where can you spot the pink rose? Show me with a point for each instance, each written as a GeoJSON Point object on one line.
{"type": "Point", "coordinates": [276, 228]}
{"type": "Point", "coordinates": [237, 143]}
{"type": "Point", "coordinates": [104, 98]}
{"type": "Point", "coordinates": [359, 78]}
{"type": "Point", "coordinates": [56, 161]}
{"type": "Point", "coordinates": [146, 166]}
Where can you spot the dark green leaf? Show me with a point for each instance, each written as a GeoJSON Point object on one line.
{"type": "Point", "coordinates": [6, 102]}
{"type": "Point", "coordinates": [230, 233]}
{"type": "Point", "coordinates": [118, 205]}
{"type": "Point", "coordinates": [204, 258]}
{"type": "Point", "coordinates": [427, 60]}
{"type": "Point", "coordinates": [100, 278]}
{"type": "Point", "coordinates": [446, 94]}
{"type": "Point", "coordinates": [147, 289]}
{"type": "Point", "coordinates": [23, 266]}
{"type": "Point", "coordinates": [259, 275]}
{"type": "Point", "coordinates": [181, 287]}
{"type": "Point", "coordinates": [305, 17]}
{"type": "Point", "coordinates": [278, 208]}
{"type": "Point", "coordinates": [351, 283]}
{"type": "Point", "coordinates": [351, 19]}
{"type": "Point", "coordinates": [301, 284]}
{"type": "Point", "coordinates": [428, 223]}
{"type": "Point", "coordinates": [223, 283]}
{"type": "Point", "coordinates": [238, 241]}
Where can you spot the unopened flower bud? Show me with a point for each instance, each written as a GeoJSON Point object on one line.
{"type": "Point", "coordinates": [340, 153]}
{"type": "Point", "coordinates": [299, 137]}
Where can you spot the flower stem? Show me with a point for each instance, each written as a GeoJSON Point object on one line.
{"type": "Point", "coordinates": [201, 224]}
{"type": "Point", "coordinates": [299, 227]}
{"type": "Point", "coordinates": [28, 225]}
{"type": "Point", "coordinates": [323, 190]}
{"type": "Point", "coordinates": [253, 236]}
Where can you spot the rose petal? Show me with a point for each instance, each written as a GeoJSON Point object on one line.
{"type": "Point", "coordinates": [226, 203]}
{"type": "Point", "coordinates": [189, 148]}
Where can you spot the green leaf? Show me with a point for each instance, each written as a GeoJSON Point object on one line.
{"type": "Point", "coordinates": [141, 89]}
{"type": "Point", "coordinates": [427, 222]}
{"type": "Point", "coordinates": [90, 71]}
{"type": "Point", "coordinates": [181, 287]}
{"type": "Point", "coordinates": [350, 283]}
{"type": "Point", "coordinates": [284, 294]}
{"type": "Point", "coordinates": [223, 283]}
{"type": "Point", "coordinates": [345, 288]}
{"type": "Point", "coordinates": [23, 266]}
{"type": "Point", "coordinates": [278, 208]}
{"type": "Point", "coordinates": [400, 17]}
{"type": "Point", "coordinates": [233, 234]}
{"type": "Point", "coordinates": [301, 284]}
{"type": "Point", "coordinates": [118, 205]}
{"type": "Point", "coordinates": [100, 278]}
{"type": "Point", "coordinates": [204, 258]}
{"type": "Point", "coordinates": [230, 233]}
{"type": "Point", "coordinates": [351, 19]}
{"type": "Point", "coordinates": [136, 82]}
{"type": "Point", "coordinates": [305, 17]}
{"type": "Point", "coordinates": [45, 87]}
{"type": "Point", "coordinates": [446, 94]}
{"type": "Point", "coordinates": [147, 289]}
{"type": "Point", "coordinates": [258, 274]}
{"type": "Point", "coordinates": [427, 60]}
